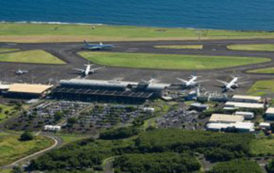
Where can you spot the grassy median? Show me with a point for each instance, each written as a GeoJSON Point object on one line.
{"type": "Point", "coordinates": [179, 46]}
{"type": "Point", "coordinates": [263, 70]}
{"type": "Point", "coordinates": [12, 149]}
{"type": "Point", "coordinates": [252, 47]}
{"type": "Point", "coordinates": [15, 32]}
{"type": "Point", "coordinates": [168, 61]}
{"type": "Point", "coordinates": [262, 88]}
{"type": "Point", "coordinates": [32, 56]}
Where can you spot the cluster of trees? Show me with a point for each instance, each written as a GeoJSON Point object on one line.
{"type": "Point", "coordinates": [120, 133]}
{"type": "Point", "coordinates": [156, 163]}
{"type": "Point", "coordinates": [236, 166]}
{"type": "Point", "coordinates": [270, 166]}
{"type": "Point", "coordinates": [26, 136]}
{"type": "Point", "coordinates": [215, 146]}
{"type": "Point", "coordinates": [162, 149]}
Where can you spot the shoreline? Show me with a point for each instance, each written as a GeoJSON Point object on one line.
{"type": "Point", "coordinates": [137, 26]}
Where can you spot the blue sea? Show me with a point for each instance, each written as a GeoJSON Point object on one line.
{"type": "Point", "coordinates": [214, 14]}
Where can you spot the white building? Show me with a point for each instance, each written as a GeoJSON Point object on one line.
{"type": "Point", "coordinates": [246, 98]}
{"type": "Point", "coordinates": [244, 105]}
{"type": "Point", "coordinates": [270, 113]}
{"type": "Point", "coordinates": [225, 118]}
{"type": "Point", "coordinates": [52, 128]}
{"type": "Point", "coordinates": [239, 126]}
{"type": "Point", "coordinates": [264, 125]}
{"type": "Point", "coordinates": [246, 115]}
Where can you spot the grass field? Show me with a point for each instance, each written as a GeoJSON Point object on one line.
{"type": "Point", "coordinates": [2, 50]}
{"type": "Point", "coordinates": [32, 56]}
{"type": "Point", "coordinates": [162, 61]}
{"type": "Point", "coordinates": [68, 138]}
{"type": "Point", "coordinates": [15, 32]}
{"type": "Point", "coordinates": [5, 111]}
{"type": "Point", "coordinates": [179, 46]}
{"type": "Point", "coordinates": [12, 149]}
{"type": "Point", "coordinates": [263, 70]}
{"type": "Point", "coordinates": [252, 47]}
{"type": "Point", "coordinates": [262, 146]}
{"type": "Point", "coordinates": [261, 88]}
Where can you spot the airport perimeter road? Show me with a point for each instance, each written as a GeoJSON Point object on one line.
{"type": "Point", "coordinates": [68, 52]}
{"type": "Point", "coordinates": [57, 142]}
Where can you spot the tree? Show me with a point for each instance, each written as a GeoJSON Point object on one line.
{"type": "Point", "coordinates": [26, 136]}
{"type": "Point", "coordinates": [17, 169]}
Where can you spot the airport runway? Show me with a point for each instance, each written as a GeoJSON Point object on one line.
{"type": "Point", "coordinates": [39, 73]}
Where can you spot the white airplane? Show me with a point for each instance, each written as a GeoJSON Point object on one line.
{"type": "Point", "coordinates": [21, 72]}
{"type": "Point", "coordinates": [192, 82]}
{"type": "Point", "coordinates": [99, 46]}
{"type": "Point", "coordinates": [230, 86]}
{"type": "Point", "coordinates": [88, 70]}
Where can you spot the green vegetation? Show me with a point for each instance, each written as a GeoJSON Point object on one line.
{"type": "Point", "coordinates": [69, 138]}
{"type": "Point", "coordinates": [179, 46]}
{"type": "Point", "coordinates": [215, 146]}
{"type": "Point", "coordinates": [270, 166]}
{"type": "Point", "coordinates": [90, 154]}
{"type": "Point", "coordinates": [14, 32]}
{"type": "Point", "coordinates": [252, 47]}
{"type": "Point", "coordinates": [263, 70]}
{"type": "Point", "coordinates": [262, 88]}
{"type": "Point", "coordinates": [2, 50]}
{"type": "Point", "coordinates": [11, 148]}
{"type": "Point", "coordinates": [26, 136]}
{"type": "Point", "coordinates": [156, 162]}
{"type": "Point", "coordinates": [162, 61]}
{"type": "Point", "coordinates": [236, 166]}
{"type": "Point", "coordinates": [119, 133]}
{"type": "Point", "coordinates": [5, 111]}
{"type": "Point", "coordinates": [262, 146]}
{"type": "Point", "coordinates": [32, 56]}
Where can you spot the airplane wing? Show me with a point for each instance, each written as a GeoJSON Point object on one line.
{"type": "Point", "coordinates": [223, 82]}
{"type": "Point", "coordinates": [95, 69]}
{"type": "Point", "coordinates": [78, 69]}
{"type": "Point", "coordinates": [182, 80]}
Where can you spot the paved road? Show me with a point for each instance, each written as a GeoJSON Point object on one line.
{"type": "Point", "coordinates": [68, 52]}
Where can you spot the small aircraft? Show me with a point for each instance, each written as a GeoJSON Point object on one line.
{"type": "Point", "coordinates": [99, 46]}
{"type": "Point", "coordinates": [231, 85]}
{"type": "Point", "coordinates": [88, 70]}
{"type": "Point", "coordinates": [192, 82]}
{"type": "Point", "coordinates": [21, 72]}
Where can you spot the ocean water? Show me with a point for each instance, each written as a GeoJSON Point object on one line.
{"type": "Point", "coordinates": [214, 14]}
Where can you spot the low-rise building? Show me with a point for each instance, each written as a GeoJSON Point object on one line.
{"type": "Point", "coordinates": [264, 125]}
{"type": "Point", "coordinates": [225, 118]}
{"type": "Point", "coordinates": [246, 98]}
{"type": "Point", "coordinates": [244, 105]}
{"type": "Point", "coordinates": [246, 115]}
{"type": "Point", "coordinates": [238, 126]}
{"type": "Point", "coordinates": [269, 114]}
{"type": "Point", "coordinates": [52, 128]}
{"type": "Point", "coordinates": [199, 106]}
{"type": "Point", "coordinates": [22, 90]}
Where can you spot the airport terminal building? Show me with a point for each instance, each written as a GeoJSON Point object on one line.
{"type": "Point", "coordinates": [101, 90]}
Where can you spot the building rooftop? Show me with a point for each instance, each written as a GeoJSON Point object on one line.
{"type": "Point", "coordinates": [238, 125]}
{"type": "Point", "coordinates": [29, 88]}
{"type": "Point", "coordinates": [226, 118]}
{"type": "Point", "coordinates": [245, 105]}
{"type": "Point", "coordinates": [270, 110]}
{"type": "Point", "coordinates": [247, 97]}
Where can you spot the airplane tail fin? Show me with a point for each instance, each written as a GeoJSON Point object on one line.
{"type": "Point", "coordinates": [86, 43]}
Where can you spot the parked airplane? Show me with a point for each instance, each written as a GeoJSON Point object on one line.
{"type": "Point", "coordinates": [230, 86]}
{"type": "Point", "coordinates": [192, 82]}
{"type": "Point", "coordinates": [99, 46]}
{"type": "Point", "coordinates": [21, 72]}
{"type": "Point", "coordinates": [88, 70]}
